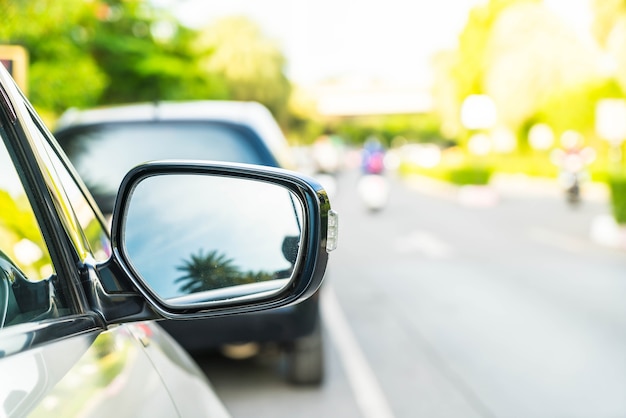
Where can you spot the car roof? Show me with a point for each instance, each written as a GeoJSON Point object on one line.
{"type": "Point", "coordinates": [248, 113]}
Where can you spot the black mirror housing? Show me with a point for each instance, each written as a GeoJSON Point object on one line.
{"type": "Point", "coordinates": [165, 208]}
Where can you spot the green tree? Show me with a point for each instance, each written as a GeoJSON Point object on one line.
{"type": "Point", "coordinates": [461, 72]}
{"type": "Point", "coordinates": [55, 34]}
{"type": "Point", "coordinates": [575, 108]}
{"type": "Point", "coordinates": [147, 55]}
{"type": "Point", "coordinates": [86, 53]}
{"type": "Point", "coordinates": [607, 15]}
{"type": "Point", "coordinates": [468, 68]}
{"type": "Point", "coordinates": [530, 56]}
{"type": "Point", "coordinates": [251, 65]}
{"type": "Point", "coordinates": [609, 26]}
{"type": "Point", "coordinates": [519, 53]}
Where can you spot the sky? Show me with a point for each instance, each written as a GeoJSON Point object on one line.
{"type": "Point", "coordinates": [390, 40]}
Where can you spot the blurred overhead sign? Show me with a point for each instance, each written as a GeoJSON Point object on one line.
{"type": "Point", "coordinates": [15, 60]}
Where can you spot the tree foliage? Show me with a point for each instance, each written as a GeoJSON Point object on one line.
{"type": "Point", "coordinates": [607, 14]}
{"type": "Point", "coordinates": [251, 65]}
{"type": "Point", "coordinates": [609, 26]}
{"type": "Point", "coordinates": [468, 68]}
{"type": "Point", "coordinates": [461, 72]}
{"type": "Point", "coordinates": [55, 35]}
{"type": "Point", "coordinates": [87, 53]}
{"type": "Point", "coordinates": [520, 54]}
{"type": "Point", "coordinates": [575, 107]}
{"type": "Point", "coordinates": [203, 272]}
{"type": "Point", "coordinates": [148, 56]}
{"type": "Point", "coordinates": [530, 55]}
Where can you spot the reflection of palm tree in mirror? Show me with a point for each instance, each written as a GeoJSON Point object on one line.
{"type": "Point", "coordinates": [212, 271]}
{"type": "Point", "coordinates": [207, 272]}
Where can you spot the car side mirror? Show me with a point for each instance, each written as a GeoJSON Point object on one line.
{"type": "Point", "coordinates": [199, 238]}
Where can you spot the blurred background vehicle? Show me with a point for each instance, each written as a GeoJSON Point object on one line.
{"type": "Point", "coordinates": [573, 160]}
{"type": "Point", "coordinates": [372, 186]}
{"type": "Point", "coordinates": [105, 143]}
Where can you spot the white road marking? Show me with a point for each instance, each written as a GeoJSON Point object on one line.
{"type": "Point", "coordinates": [424, 243]}
{"type": "Point", "coordinates": [367, 392]}
{"type": "Point", "coordinates": [555, 239]}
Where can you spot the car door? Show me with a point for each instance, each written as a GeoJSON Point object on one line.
{"type": "Point", "coordinates": [56, 358]}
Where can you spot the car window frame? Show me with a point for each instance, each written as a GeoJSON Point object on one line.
{"type": "Point", "coordinates": [19, 119]}
{"type": "Point", "coordinates": [49, 143]}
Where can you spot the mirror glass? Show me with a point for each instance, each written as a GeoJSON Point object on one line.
{"type": "Point", "coordinates": [197, 238]}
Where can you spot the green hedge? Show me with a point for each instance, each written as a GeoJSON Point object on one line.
{"type": "Point", "coordinates": [617, 185]}
{"type": "Point", "coordinates": [471, 174]}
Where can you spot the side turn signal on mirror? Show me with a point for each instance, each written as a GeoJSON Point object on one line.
{"type": "Point", "coordinates": [333, 231]}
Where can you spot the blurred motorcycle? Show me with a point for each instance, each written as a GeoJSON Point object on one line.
{"type": "Point", "coordinates": [372, 186]}
{"type": "Point", "coordinates": [572, 161]}
{"type": "Point", "coordinates": [374, 191]}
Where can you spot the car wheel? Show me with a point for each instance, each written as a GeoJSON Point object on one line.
{"type": "Point", "coordinates": [305, 359]}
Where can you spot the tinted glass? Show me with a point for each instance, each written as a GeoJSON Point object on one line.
{"type": "Point", "coordinates": [82, 224]}
{"type": "Point", "coordinates": [26, 271]}
{"type": "Point", "coordinates": [94, 233]}
{"type": "Point", "coordinates": [103, 154]}
{"type": "Point", "coordinates": [189, 234]}
{"type": "Point", "coordinates": [20, 237]}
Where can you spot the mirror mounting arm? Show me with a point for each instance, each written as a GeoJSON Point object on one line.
{"type": "Point", "coordinates": [113, 296]}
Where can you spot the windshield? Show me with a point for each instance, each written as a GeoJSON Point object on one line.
{"type": "Point", "coordinates": [103, 154]}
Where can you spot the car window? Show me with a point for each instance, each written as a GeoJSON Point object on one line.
{"type": "Point", "coordinates": [103, 154]}
{"type": "Point", "coordinates": [26, 270]}
{"type": "Point", "coordinates": [20, 237]}
{"type": "Point", "coordinates": [94, 233]}
{"type": "Point", "coordinates": [89, 234]}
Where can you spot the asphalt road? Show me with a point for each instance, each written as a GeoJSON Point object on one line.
{"type": "Point", "coordinates": [447, 307]}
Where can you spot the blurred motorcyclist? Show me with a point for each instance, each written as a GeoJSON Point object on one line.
{"type": "Point", "coordinates": [373, 157]}
{"type": "Point", "coordinates": [373, 187]}
{"type": "Point", "coordinates": [572, 160]}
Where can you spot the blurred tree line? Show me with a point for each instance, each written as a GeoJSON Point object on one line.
{"type": "Point", "coordinates": [535, 67]}
{"type": "Point", "coordinates": [538, 71]}
{"type": "Point", "coordinates": [85, 53]}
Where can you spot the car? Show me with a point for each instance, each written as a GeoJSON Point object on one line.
{"type": "Point", "coordinates": [103, 143]}
{"type": "Point", "coordinates": [80, 301]}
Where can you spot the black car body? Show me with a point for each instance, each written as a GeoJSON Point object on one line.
{"type": "Point", "coordinates": [104, 143]}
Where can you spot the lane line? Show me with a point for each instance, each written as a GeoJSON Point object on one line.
{"type": "Point", "coordinates": [425, 243]}
{"type": "Point", "coordinates": [558, 240]}
{"type": "Point", "coordinates": [367, 392]}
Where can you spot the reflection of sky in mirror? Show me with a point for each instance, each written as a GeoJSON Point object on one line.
{"type": "Point", "coordinates": [174, 217]}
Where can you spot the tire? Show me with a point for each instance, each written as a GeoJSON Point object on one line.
{"type": "Point", "coordinates": [305, 359]}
